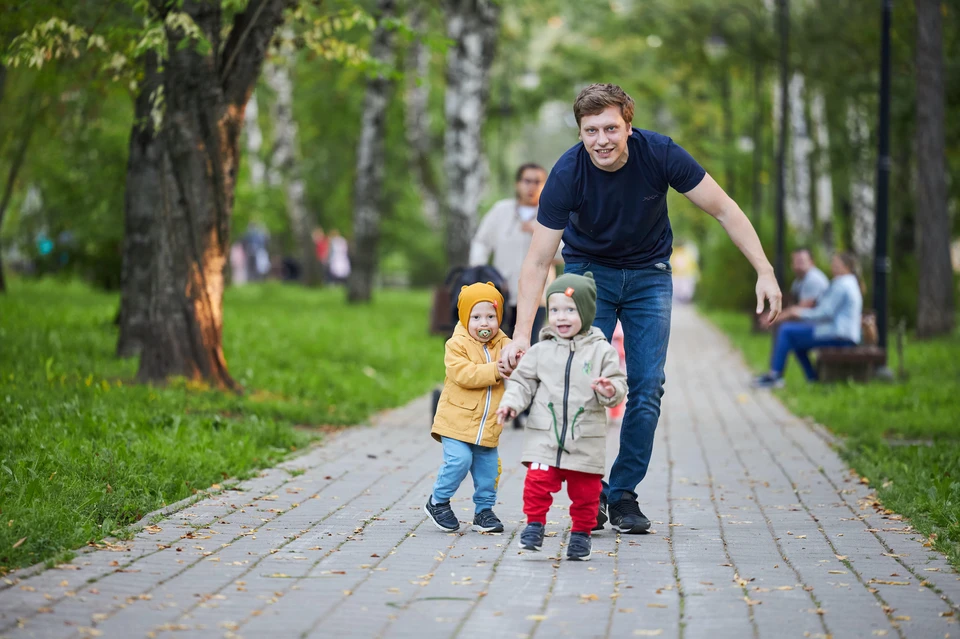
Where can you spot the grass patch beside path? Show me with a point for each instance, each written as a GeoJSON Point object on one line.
{"type": "Point", "coordinates": [84, 451]}
{"type": "Point", "coordinates": [920, 481]}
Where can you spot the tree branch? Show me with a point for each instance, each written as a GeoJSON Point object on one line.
{"type": "Point", "coordinates": [246, 48]}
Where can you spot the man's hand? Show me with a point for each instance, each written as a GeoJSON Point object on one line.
{"type": "Point", "coordinates": [604, 386]}
{"type": "Point", "coordinates": [511, 354]}
{"type": "Point", "coordinates": [769, 291]}
{"type": "Point", "coordinates": [504, 413]}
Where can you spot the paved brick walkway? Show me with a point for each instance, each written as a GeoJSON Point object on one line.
{"type": "Point", "coordinates": [760, 531]}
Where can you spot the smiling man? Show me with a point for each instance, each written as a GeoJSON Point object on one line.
{"type": "Point", "coordinates": [607, 199]}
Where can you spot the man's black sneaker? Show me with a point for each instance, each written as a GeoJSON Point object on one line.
{"type": "Point", "coordinates": [442, 516]}
{"type": "Point", "coordinates": [532, 537]}
{"type": "Point", "coordinates": [625, 516]}
{"type": "Point", "coordinates": [601, 513]}
{"type": "Point", "coordinates": [579, 548]}
{"type": "Point", "coordinates": [486, 521]}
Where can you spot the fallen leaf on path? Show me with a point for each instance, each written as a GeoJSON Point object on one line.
{"type": "Point", "coordinates": [656, 605]}
{"type": "Point", "coordinates": [590, 597]}
{"type": "Point", "coordinates": [752, 602]}
{"type": "Point", "coordinates": [536, 617]}
{"type": "Point", "coordinates": [628, 610]}
{"type": "Point", "coordinates": [902, 618]}
{"type": "Point", "coordinates": [785, 588]}
{"type": "Point", "coordinates": [838, 572]}
{"type": "Point", "coordinates": [879, 633]}
{"type": "Point", "coordinates": [153, 530]}
{"type": "Point", "coordinates": [889, 583]}
{"type": "Point", "coordinates": [648, 633]}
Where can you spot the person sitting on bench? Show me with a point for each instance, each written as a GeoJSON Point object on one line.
{"type": "Point", "coordinates": [833, 322]}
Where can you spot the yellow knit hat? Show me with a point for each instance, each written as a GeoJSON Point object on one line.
{"type": "Point", "coordinates": [471, 295]}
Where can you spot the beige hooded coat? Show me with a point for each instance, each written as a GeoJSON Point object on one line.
{"type": "Point", "coordinates": [556, 375]}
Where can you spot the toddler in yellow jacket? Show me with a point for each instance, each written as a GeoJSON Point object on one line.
{"type": "Point", "coordinates": [466, 420]}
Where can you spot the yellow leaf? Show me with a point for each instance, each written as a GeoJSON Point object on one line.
{"type": "Point", "coordinates": [837, 572]}
{"type": "Point", "coordinates": [902, 618]}
{"type": "Point", "coordinates": [648, 633]}
{"type": "Point", "coordinates": [590, 597]}
{"type": "Point", "coordinates": [17, 545]}
{"type": "Point", "coordinates": [656, 605]}
{"type": "Point", "coordinates": [536, 617]}
{"type": "Point", "coordinates": [879, 633]}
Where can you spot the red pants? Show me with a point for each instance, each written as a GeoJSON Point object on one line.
{"type": "Point", "coordinates": [583, 489]}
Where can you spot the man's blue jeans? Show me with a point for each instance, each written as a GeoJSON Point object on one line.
{"type": "Point", "coordinates": [798, 337]}
{"type": "Point", "coordinates": [641, 299]}
{"type": "Point", "coordinates": [460, 458]}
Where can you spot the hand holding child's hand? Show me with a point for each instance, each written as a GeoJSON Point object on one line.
{"type": "Point", "coordinates": [504, 413]}
{"type": "Point", "coordinates": [503, 369]}
{"type": "Point", "coordinates": [604, 386]}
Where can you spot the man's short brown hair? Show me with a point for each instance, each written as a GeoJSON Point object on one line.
{"type": "Point", "coordinates": [597, 97]}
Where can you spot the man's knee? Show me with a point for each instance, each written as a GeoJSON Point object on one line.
{"type": "Point", "coordinates": [646, 387]}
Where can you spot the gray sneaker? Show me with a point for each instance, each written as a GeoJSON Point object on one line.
{"type": "Point", "coordinates": [768, 380]}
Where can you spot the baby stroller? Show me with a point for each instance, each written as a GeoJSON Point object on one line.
{"type": "Point", "coordinates": [444, 316]}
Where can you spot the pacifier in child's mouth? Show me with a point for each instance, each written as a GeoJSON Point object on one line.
{"type": "Point", "coordinates": [484, 333]}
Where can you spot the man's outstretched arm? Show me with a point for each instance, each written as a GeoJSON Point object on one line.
{"type": "Point", "coordinates": [711, 198]}
{"type": "Point", "coordinates": [533, 274]}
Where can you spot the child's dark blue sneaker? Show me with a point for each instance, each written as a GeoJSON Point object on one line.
{"type": "Point", "coordinates": [442, 515]}
{"type": "Point", "coordinates": [532, 537]}
{"type": "Point", "coordinates": [579, 548]}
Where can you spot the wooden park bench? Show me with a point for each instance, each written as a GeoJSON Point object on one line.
{"type": "Point", "coordinates": [858, 363]}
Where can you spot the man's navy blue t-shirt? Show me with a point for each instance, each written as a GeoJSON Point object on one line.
{"type": "Point", "coordinates": [618, 219]}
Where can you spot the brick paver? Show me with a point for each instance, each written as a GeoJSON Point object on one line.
{"type": "Point", "coordinates": [760, 531]}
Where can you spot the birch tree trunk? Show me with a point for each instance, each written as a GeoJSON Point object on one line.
{"type": "Point", "coordinates": [935, 304]}
{"type": "Point", "coordinates": [368, 188]}
{"type": "Point", "coordinates": [862, 191]}
{"type": "Point", "coordinates": [286, 157]}
{"type": "Point", "coordinates": [798, 210]}
{"type": "Point", "coordinates": [418, 119]}
{"type": "Point", "coordinates": [180, 190]}
{"type": "Point", "coordinates": [824, 184]}
{"type": "Point", "coordinates": [473, 25]}
{"type": "Point", "coordinates": [254, 135]}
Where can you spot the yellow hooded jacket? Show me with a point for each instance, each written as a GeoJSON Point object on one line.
{"type": "Point", "coordinates": [471, 390]}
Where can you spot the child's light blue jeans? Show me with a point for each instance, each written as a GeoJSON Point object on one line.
{"type": "Point", "coordinates": [460, 458]}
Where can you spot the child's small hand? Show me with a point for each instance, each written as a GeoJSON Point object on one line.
{"type": "Point", "coordinates": [503, 369]}
{"type": "Point", "coordinates": [504, 413]}
{"type": "Point", "coordinates": [604, 386]}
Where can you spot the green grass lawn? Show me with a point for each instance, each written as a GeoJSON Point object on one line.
{"type": "Point", "coordinates": [84, 451]}
{"type": "Point", "coordinates": [919, 480]}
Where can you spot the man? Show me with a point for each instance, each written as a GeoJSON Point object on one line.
{"type": "Point", "coordinates": [506, 231]}
{"type": "Point", "coordinates": [606, 198]}
{"type": "Point", "coordinates": [810, 282]}
{"type": "Point", "coordinates": [807, 287]}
